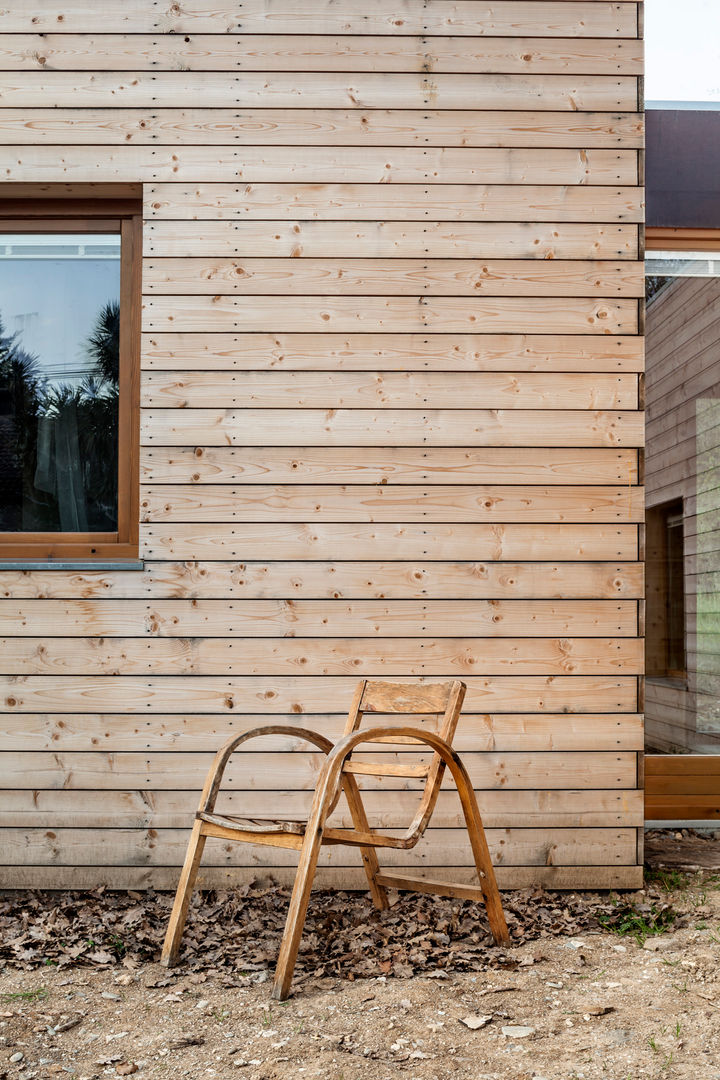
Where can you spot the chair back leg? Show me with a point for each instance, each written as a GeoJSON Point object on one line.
{"type": "Point", "coordinates": [481, 854]}
{"type": "Point", "coordinates": [368, 854]}
{"type": "Point", "coordinates": [171, 947]}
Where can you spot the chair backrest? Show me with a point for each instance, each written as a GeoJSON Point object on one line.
{"type": "Point", "coordinates": [431, 706]}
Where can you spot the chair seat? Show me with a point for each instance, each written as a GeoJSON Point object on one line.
{"type": "Point", "coordinates": [254, 825]}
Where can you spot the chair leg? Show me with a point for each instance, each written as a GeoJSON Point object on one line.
{"type": "Point", "coordinates": [483, 862]}
{"type": "Point", "coordinates": [296, 914]}
{"type": "Point", "coordinates": [171, 947]}
{"type": "Point", "coordinates": [369, 855]}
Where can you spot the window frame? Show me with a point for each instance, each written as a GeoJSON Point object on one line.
{"type": "Point", "coordinates": [123, 216]}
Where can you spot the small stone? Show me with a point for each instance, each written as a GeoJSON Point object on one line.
{"type": "Point", "coordinates": [599, 1010]}
{"type": "Point", "coordinates": [202, 1003]}
{"type": "Point", "coordinates": [658, 944]}
{"type": "Point", "coordinates": [475, 1023]}
{"type": "Point", "coordinates": [109, 996]}
{"type": "Point", "coordinates": [513, 1032]}
{"type": "Point", "coordinates": [16, 1057]}
{"type": "Point", "coordinates": [126, 1068]}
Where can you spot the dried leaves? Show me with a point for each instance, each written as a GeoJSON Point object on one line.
{"type": "Point", "coordinates": [238, 932]}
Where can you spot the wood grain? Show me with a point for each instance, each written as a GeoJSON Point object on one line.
{"type": "Point", "coordinates": [274, 52]}
{"type": "Point", "coordinates": [524, 847]}
{"type": "Point", "coordinates": [250, 772]}
{"type": "Point", "coordinates": [385, 390]}
{"type": "Point", "coordinates": [376, 314]}
{"type": "Point", "coordinates": [323, 618]}
{"type": "Point", "coordinates": [477, 733]}
{"type": "Point", "coordinates": [317, 90]}
{"type": "Point", "coordinates": [406, 185]}
{"type": "Point", "coordinates": [391, 352]}
{"type": "Point", "coordinates": [585, 808]}
{"type": "Point", "coordinates": [513, 18]}
{"type": "Point", "coordinates": [244, 656]}
{"type": "Point", "coordinates": [408, 580]}
{"type": "Point", "coordinates": [392, 277]}
{"type": "Point", "coordinates": [496, 503]}
{"type": "Point", "coordinates": [391, 427]}
{"type": "Point", "coordinates": [312, 541]}
{"type": "Point", "coordinates": [389, 240]}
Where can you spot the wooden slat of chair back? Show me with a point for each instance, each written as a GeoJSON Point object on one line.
{"type": "Point", "coordinates": [442, 700]}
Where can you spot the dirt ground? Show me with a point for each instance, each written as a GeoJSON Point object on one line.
{"type": "Point", "coordinates": [599, 987]}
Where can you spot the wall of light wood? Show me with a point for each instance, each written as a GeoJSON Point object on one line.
{"type": "Point", "coordinates": [683, 382]}
{"type": "Point", "coordinates": [391, 357]}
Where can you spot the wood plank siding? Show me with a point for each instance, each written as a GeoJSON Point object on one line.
{"type": "Point", "coordinates": [390, 424]}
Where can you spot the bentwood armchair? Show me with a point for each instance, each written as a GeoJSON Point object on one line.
{"type": "Point", "coordinates": [431, 705]}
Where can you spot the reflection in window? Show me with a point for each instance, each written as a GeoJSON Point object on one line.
{"type": "Point", "coordinates": [59, 372]}
{"type": "Point", "coordinates": [682, 480]}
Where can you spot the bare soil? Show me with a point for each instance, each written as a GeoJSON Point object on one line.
{"type": "Point", "coordinates": [417, 992]}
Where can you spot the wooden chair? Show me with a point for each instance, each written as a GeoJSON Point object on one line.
{"type": "Point", "coordinates": [437, 704]}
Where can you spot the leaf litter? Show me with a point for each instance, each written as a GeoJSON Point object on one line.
{"type": "Point", "coordinates": [238, 931]}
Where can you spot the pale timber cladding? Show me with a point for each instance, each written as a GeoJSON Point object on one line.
{"type": "Point", "coordinates": [391, 357]}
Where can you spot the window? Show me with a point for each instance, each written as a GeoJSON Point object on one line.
{"type": "Point", "coordinates": [666, 591]}
{"type": "Point", "coordinates": [69, 348]}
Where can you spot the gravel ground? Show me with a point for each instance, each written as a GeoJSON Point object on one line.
{"type": "Point", "coordinates": [573, 1000]}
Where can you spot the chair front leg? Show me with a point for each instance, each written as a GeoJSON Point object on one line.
{"type": "Point", "coordinates": [171, 947]}
{"type": "Point", "coordinates": [323, 802]}
{"type": "Point", "coordinates": [296, 914]}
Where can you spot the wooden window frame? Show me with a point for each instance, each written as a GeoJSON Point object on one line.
{"type": "Point", "coordinates": [123, 216]}
{"type": "Point", "coordinates": [658, 575]}
{"type": "Point", "coordinates": [665, 239]}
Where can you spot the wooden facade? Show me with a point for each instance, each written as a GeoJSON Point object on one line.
{"type": "Point", "coordinates": [389, 423]}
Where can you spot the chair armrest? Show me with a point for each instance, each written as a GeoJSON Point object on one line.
{"type": "Point", "coordinates": [215, 775]}
{"type": "Point", "coordinates": [345, 747]}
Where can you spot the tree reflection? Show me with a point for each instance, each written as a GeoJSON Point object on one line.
{"type": "Point", "coordinates": [59, 440]}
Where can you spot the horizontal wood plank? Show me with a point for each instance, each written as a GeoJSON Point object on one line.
{"type": "Point", "coordinates": [286, 503]}
{"type": "Point", "coordinates": [392, 277]}
{"type": "Point", "coordinates": [317, 90]}
{"type": "Point", "coordinates": [391, 352]}
{"type": "Point", "coordinates": [274, 52]}
{"type": "Point", "coordinates": [414, 579]}
{"type": "Point", "coordinates": [405, 185]}
{"type": "Point", "coordinates": [320, 656]}
{"type": "Point", "coordinates": [143, 696]}
{"type": "Point", "coordinates": [389, 239]}
{"type": "Point", "coordinates": [130, 847]}
{"type": "Point", "coordinates": [385, 390]}
{"type": "Point", "coordinates": [250, 772]}
{"type": "Point", "coordinates": [381, 465]}
{"type": "Point", "coordinates": [682, 807]}
{"type": "Point", "coordinates": [383, 542]}
{"type": "Point", "coordinates": [165, 878]}
{"type": "Point", "coordinates": [510, 18]}
{"type": "Point", "coordinates": [477, 733]}
{"type": "Point", "coordinates": [391, 427]}
{"type": "Point", "coordinates": [377, 314]}
{"type": "Point", "coordinates": [319, 618]}
{"type": "Point", "coordinates": [386, 809]}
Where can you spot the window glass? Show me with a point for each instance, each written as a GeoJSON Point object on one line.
{"type": "Point", "coordinates": [59, 373]}
{"type": "Point", "coordinates": [682, 479]}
